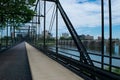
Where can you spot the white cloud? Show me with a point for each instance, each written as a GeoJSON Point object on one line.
{"type": "Point", "coordinates": [82, 15]}
{"type": "Point", "coordinates": [116, 12]}
{"type": "Point", "coordinates": [88, 14]}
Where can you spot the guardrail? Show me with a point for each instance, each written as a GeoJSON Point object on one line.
{"type": "Point", "coordinates": [79, 68]}
{"type": "Point", "coordinates": [90, 53]}
{"type": "Point", "coordinates": [6, 45]}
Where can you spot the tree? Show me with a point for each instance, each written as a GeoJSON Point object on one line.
{"type": "Point", "coordinates": [16, 11]}
{"type": "Point", "coordinates": [62, 38]}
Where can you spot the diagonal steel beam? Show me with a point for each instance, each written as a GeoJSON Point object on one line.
{"type": "Point", "coordinates": [85, 58]}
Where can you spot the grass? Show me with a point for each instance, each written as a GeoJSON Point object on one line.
{"type": "Point", "coordinates": [114, 70]}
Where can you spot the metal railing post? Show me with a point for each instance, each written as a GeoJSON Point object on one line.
{"type": "Point", "coordinates": [102, 24]}
{"type": "Point", "coordinates": [44, 40]}
{"type": "Point", "coordinates": [57, 27]}
{"type": "Point", "coordinates": [110, 33]}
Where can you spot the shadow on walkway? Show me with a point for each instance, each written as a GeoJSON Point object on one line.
{"type": "Point", "coordinates": [14, 64]}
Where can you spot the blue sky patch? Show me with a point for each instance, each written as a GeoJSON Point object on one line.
{"type": "Point", "coordinates": [83, 1]}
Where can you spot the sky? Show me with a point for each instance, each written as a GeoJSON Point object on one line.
{"type": "Point", "coordinates": [85, 16]}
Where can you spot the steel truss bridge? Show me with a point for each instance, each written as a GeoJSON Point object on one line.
{"type": "Point", "coordinates": [34, 32]}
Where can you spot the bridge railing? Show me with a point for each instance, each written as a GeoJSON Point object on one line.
{"type": "Point", "coordinates": [97, 62]}
{"type": "Point", "coordinates": [104, 63]}
{"type": "Point", "coordinates": [71, 61]}
{"type": "Point", "coordinates": [80, 59]}
{"type": "Point", "coordinates": [6, 43]}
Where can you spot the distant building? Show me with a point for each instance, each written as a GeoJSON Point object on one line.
{"type": "Point", "coordinates": [47, 34]}
{"type": "Point", "coordinates": [88, 37]}
{"type": "Point", "coordinates": [65, 35]}
{"type": "Point", "coordinates": [82, 37]}
{"type": "Point", "coordinates": [99, 38]}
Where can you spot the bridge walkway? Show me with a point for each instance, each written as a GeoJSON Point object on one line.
{"type": "Point", "coordinates": [14, 64]}
{"type": "Point", "coordinates": [24, 62]}
{"type": "Point", "coordinates": [44, 68]}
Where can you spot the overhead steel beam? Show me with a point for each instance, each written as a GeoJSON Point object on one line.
{"type": "Point", "coordinates": [85, 58]}
{"type": "Point", "coordinates": [50, 0]}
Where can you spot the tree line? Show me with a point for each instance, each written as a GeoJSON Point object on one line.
{"type": "Point", "coordinates": [16, 11]}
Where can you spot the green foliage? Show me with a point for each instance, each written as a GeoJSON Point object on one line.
{"type": "Point", "coordinates": [63, 38]}
{"type": "Point", "coordinates": [6, 37]}
{"type": "Point", "coordinates": [70, 38]}
{"type": "Point", "coordinates": [115, 70]}
{"type": "Point", "coordinates": [16, 11]}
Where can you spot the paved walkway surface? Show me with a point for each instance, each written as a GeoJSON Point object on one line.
{"type": "Point", "coordinates": [44, 68]}
{"type": "Point", "coordinates": [19, 64]}
{"type": "Point", "coordinates": [14, 64]}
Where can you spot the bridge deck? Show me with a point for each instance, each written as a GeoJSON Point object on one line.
{"type": "Point", "coordinates": [44, 68]}
{"type": "Point", "coordinates": [14, 64]}
{"type": "Point", "coordinates": [17, 64]}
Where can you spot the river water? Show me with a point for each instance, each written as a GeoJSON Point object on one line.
{"type": "Point", "coordinates": [115, 62]}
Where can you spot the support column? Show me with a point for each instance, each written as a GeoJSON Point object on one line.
{"type": "Point", "coordinates": [44, 24]}
{"type": "Point", "coordinates": [57, 27]}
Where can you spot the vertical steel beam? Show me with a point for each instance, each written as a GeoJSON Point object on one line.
{"type": "Point", "coordinates": [31, 37]}
{"type": "Point", "coordinates": [13, 30]}
{"type": "Point", "coordinates": [0, 36]}
{"type": "Point", "coordinates": [57, 28]}
{"type": "Point", "coordinates": [36, 28]}
{"type": "Point", "coordinates": [7, 34]}
{"type": "Point", "coordinates": [82, 50]}
{"type": "Point", "coordinates": [44, 40]}
{"type": "Point", "coordinates": [110, 33]}
{"type": "Point", "coordinates": [102, 24]}
{"type": "Point", "coordinates": [10, 34]}
{"type": "Point", "coordinates": [29, 33]}
{"type": "Point", "coordinates": [39, 18]}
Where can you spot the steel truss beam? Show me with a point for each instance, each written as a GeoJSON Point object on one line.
{"type": "Point", "coordinates": [84, 57]}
